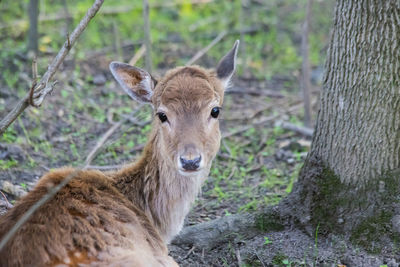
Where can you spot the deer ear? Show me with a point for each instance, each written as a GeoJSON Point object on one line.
{"type": "Point", "coordinates": [136, 82]}
{"type": "Point", "coordinates": [226, 67]}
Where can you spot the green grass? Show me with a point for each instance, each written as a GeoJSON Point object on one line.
{"type": "Point", "coordinates": [7, 164]}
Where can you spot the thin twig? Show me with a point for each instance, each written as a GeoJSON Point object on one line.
{"type": "Point", "coordinates": [9, 205]}
{"type": "Point", "coordinates": [102, 140]}
{"type": "Point", "coordinates": [105, 168]}
{"type": "Point", "coordinates": [107, 134]}
{"type": "Point", "coordinates": [205, 49]}
{"type": "Point", "coordinates": [239, 259]}
{"type": "Point", "coordinates": [187, 254]}
{"type": "Point", "coordinates": [45, 86]}
{"type": "Point", "coordinates": [34, 68]}
{"type": "Point", "coordinates": [139, 54]}
{"type": "Point", "coordinates": [258, 257]}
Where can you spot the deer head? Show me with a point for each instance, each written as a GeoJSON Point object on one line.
{"type": "Point", "coordinates": [186, 103]}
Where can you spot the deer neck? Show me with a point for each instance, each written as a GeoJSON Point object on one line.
{"type": "Point", "coordinates": [156, 186]}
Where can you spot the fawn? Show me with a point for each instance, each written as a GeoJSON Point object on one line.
{"type": "Point", "coordinates": [127, 217]}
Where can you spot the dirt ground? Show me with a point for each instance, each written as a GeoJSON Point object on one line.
{"type": "Point", "coordinates": [261, 154]}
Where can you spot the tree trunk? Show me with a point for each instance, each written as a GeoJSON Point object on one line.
{"type": "Point", "coordinates": [33, 11]}
{"type": "Point", "coordinates": [305, 68]}
{"type": "Point", "coordinates": [147, 40]}
{"type": "Point", "coordinates": [350, 182]}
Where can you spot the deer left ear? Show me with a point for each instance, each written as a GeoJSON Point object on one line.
{"type": "Point", "coordinates": [137, 83]}
{"type": "Point", "coordinates": [226, 67]}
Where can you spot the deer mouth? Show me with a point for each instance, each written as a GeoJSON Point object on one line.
{"type": "Point", "coordinates": [189, 172]}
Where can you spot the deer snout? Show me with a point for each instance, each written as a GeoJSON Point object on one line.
{"type": "Point", "coordinates": [190, 159]}
{"type": "Point", "coordinates": [190, 164]}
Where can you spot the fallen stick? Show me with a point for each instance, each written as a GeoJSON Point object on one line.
{"type": "Point", "coordinates": [247, 127]}
{"type": "Point", "coordinates": [306, 131]}
{"type": "Point", "coordinates": [261, 121]}
{"type": "Point", "coordinates": [208, 235]}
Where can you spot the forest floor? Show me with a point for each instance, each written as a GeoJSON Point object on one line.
{"type": "Point", "coordinates": [263, 149]}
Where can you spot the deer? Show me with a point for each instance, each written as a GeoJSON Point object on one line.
{"type": "Point", "coordinates": [128, 217]}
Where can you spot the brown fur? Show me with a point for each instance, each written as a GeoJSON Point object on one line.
{"type": "Point", "coordinates": [123, 218]}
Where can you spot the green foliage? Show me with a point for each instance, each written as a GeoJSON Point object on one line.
{"type": "Point", "coordinates": [267, 241]}
{"type": "Point", "coordinates": [280, 259]}
{"type": "Point", "coordinates": [24, 186]}
{"type": "Point", "coordinates": [7, 164]}
{"type": "Point", "coordinates": [271, 47]}
{"type": "Point", "coordinates": [9, 136]}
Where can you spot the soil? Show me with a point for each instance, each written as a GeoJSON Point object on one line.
{"type": "Point", "coordinates": [290, 247]}
{"type": "Point", "coordinates": [53, 136]}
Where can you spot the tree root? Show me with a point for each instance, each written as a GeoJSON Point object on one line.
{"type": "Point", "coordinates": [239, 226]}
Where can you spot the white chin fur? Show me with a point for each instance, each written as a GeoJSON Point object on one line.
{"type": "Point", "coordinates": [189, 173]}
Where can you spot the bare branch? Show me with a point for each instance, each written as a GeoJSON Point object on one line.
{"type": "Point", "coordinates": [102, 140]}
{"type": "Point", "coordinates": [45, 86]}
{"type": "Point", "coordinates": [138, 55]}
{"type": "Point", "coordinates": [306, 131]}
{"type": "Point", "coordinates": [205, 49]}
{"type": "Point", "coordinates": [107, 134]}
{"type": "Point", "coordinates": [105, 167]}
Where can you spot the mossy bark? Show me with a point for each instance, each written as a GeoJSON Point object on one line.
{"type": "Point", "coordinates": [349, 182]}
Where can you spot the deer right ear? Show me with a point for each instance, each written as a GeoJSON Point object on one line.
{"type": "Point", "coordinates": [137, 83]}
{"type": "Point", "coordinates": [226, 67]}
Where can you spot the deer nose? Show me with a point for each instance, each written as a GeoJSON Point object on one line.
{"type": "Point", "coordinates": [190, 164]}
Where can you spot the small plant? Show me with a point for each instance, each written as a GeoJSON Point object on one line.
{"type": "Point", "coordinates": [24, 186]}
{"type": "Point", "coordinates": [286, 262]}
{"type": "Point", "coordinates": [9, 136]}
{"type": "Point", "coordinates": [7, 164]}
{"type": "Point", "coordinates": [267, 241]}
{"type": "Point", "coordinates": [316, 245]}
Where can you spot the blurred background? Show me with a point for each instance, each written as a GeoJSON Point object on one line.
{"type": "Point", "coordinates": [266, 134]}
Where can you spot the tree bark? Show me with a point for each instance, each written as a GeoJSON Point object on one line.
{"type": "Point", "coordinates": [33, 11]}
{"type": "Point", "coordinates": [350, 181]}
{"type": "Point", "coordinates": [147, 40]}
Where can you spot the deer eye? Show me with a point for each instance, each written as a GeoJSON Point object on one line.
{"type": "Point", "coordinates": [161, 115]}
{"type": "Point", "coordinates": [215, 112]}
